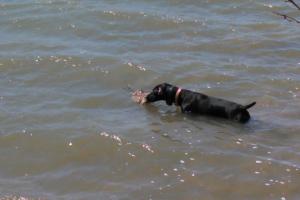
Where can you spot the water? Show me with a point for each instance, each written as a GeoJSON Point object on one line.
{"type": "Point", "coordinates": [68, 127]}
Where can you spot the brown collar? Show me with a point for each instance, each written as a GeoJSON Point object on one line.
{"type": "Point", "coordinates": [177, 96]}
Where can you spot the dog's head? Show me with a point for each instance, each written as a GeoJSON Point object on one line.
{"type": "Point", "coordinates": [164, 91]}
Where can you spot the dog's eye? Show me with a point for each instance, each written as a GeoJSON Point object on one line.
{"type": "Point", "coordinates": [159, 90]}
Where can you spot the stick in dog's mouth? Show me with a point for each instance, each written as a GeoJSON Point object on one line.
{"type": "Point", "coordinates": [139, 96]}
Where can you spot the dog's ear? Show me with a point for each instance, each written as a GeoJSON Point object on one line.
{"type": "Point", "coordinates": [169, 101]}
{"type": "Point", "coordinates": [169, 94]}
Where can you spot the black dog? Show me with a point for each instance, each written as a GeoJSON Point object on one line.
{"type": "Point", "coordinates": [198, 103]}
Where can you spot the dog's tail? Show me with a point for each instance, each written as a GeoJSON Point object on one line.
{"type": "Point", "coordinates": [249, 105]}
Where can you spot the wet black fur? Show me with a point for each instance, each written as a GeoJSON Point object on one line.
{"type": "Point", "coordinates": [194, 102]}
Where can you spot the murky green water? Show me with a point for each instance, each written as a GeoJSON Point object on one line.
{"type": "Point", "coordinates": [68, 127]}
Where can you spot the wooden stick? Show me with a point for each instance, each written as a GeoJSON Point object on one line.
{"type": "Point", "coordinates": [294, 3]}
{"type": "Point", "coordinates": [286, 17]}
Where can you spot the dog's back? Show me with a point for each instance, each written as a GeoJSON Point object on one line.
{"type": "Point", "coordinates": [199, 103]}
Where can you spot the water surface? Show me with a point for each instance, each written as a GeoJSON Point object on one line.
{"type": "Point", "coordinates": [68, 127]}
